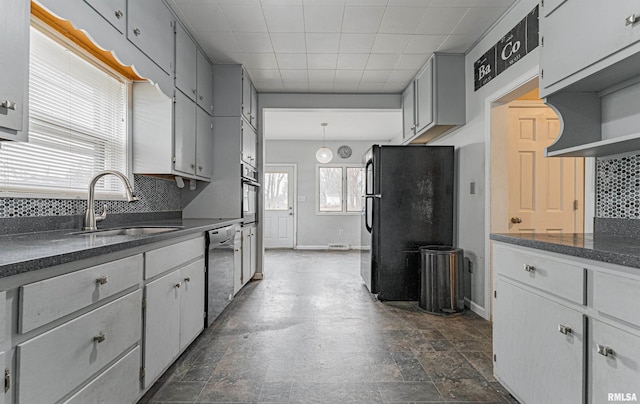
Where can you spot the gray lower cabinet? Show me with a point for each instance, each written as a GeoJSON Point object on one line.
{"type": "Point", "coordinates": [113, 11]}
{"type": "Point", "coordinates": [14, 65]}
{"type": "Point", "coordinates": [150, 29]}
{"type": "Point", "coordinates": [249, 254]}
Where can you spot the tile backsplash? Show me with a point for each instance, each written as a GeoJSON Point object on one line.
{"type": "Point", "coordinates": [156, 195]}
{"type": "Point", "coordinates": [618, 187]}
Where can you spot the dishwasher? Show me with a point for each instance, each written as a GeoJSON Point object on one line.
{"type": "Point", "coordinates": [222, 245]}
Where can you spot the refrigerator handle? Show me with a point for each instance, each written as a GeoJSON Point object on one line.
{"type": "Point", "coordinates": [366, 196]}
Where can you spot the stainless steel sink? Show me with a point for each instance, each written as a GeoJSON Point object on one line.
{"type": "Point", "coordinates": [129, 231]}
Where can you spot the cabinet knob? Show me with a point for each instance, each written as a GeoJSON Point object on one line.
{"type": "Point", "coordinates": [177, 285]}
{"type": "Point", "coordinates": [187, 279]}
{"type": "Point", "coordinates": [119, 14]}
{"type": "Point", "coordinates": [529, 268]}
{"type": "Point", "coordinates": [516, 220]}
{"type": "Point", "coordinates": [102, 280]}
{"type": "Point", "coordinates": [136, 31]}
{"type": "Point", "coordinates": [201, 97]}
{"type": "Point", "coordinates": [199, 168]}
{"type": "Point", "coordinates": [632, 19]}
{"type": "Point", "coordinates": [193, 166]}
{"type": "Point", "coordinates": [100, 337]}
{"type": "Point", "coordinates": [8, 105]}
{"type": "Point", "coordinates": [604, 350]}
{"type": "Point", "coordinates": [193, 90]}
{"type": "Point", "coordinates": [564, 329]}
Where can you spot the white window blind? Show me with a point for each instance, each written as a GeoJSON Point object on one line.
{"type": "Point", "coordinates": [77, 125]}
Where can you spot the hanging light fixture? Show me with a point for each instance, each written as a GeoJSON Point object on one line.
{"type": "Point", "coordinates": [324, 154]}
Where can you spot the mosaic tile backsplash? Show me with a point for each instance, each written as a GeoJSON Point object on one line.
{"type": "Point", "coordinates": [156, 195]}
{"type": "Point", "coordinates": [618, 187]}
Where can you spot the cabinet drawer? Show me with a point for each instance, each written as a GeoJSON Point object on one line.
{"type": "Point", "coordinates": [54, 363]}
{"type": "Point", "coordinates": [44, 301]}
{"type": "Point", "coordinates": [559, 278]}
{"type": "Point", "coordinates": [618, 372]}
{"type": "Point", "coordinates": [118, 384]}
{"type": "Point", "coordinates": [612, 295]}
{"type": "Point", "coordinates": [172, 256]}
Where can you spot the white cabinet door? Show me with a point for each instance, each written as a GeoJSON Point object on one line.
{"type": "Point", "coordinates": [424, 97]}
{"type": "Point", "coordinates": [532, 357]}
{"type": "Point", "coordinates": [246, 256]}
{"type": "Point", "coordinates": [111, 10]}
{"type": "Point", "coordinates": [205, 83]}
{"type": "Point", "coordinates": [408, 113]}
{"type": "Point", "coordinates": [254, 252]}
{"type": "Point", "coordinates": [246, 95]}
{"type": "Point", "coordinates": [614, 371]}
{"type": "Point", "coordinates": [185, 71]}
{"type": "Point", "coordinates": [204, 144]}
{"type": "Point", "coordinates": [14, 65]}
{"type": "Point", "coordinates": [237, 263]}
{"type": "Point", "coordinates": [161, 325]}
{"type": "Point", "coordinates": [191, 302]}
{"type": "Point", "coordinates": [185, 134]}
{"type": "Point", "coordinates": [150, 28]}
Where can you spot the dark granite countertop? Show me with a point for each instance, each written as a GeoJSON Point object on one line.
{"type": "Point", "coordinates": [611, 248]}
{"type": "Point", "coordinates": [26, 252]}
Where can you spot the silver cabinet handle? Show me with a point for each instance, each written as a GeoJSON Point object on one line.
{"type": "Point", "coordinates": [201, 97]}
{"type": "Point", "coordinates": [193, 166]}
{"type": "Point", "coordinates": [136, 31]}
{"type": "Point", "coordinates": [604, 350]}
{"type": "Point", "coordinates": [100, 337]}
{"type": "Point", "coordinates": [177, 285]}
{"type": "Point", "coordinates": [119, 14]}
{"type": "Point", "coordinates": [529, 268]}
{"type": "Point", "coordinates": [187, 279]}
{"type": "Point", "coordinates": [102, 280]}
{"type": "Point", "coordinates": [564, 329]}
{"type": "Point", "coordinates": [193, 90]}
{"type": "Point", "coordinates": [8, 105]}
{"type": "Point", "coordinates": [632, 19]}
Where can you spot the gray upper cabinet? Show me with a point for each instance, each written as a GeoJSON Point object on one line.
{"type": "Point", "coordinates": [434, 102]}
{"type": "Point", "coordinates": [150, 29]}
{"type": "Point", "coordinates": [602, 38]}
{"type": "Point", "coordinates": [185, 134]}
{"type": "Point", "coordinates": [14, 65]}
{"type": "Point", "coordinates": [204, 83]}
{"type": "Point", "coordinates": [246, 95]}
{"type": "Point", "coordinates": [254, 106]}
{"type": "Point", "coordinates": [113, 11]}
{"type": "Point", "coordinates": [186, 63]}
{"type": "Point", "coordinates": [204, 144]}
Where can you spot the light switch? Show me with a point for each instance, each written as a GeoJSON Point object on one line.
{"type": "Point", "coordinates": [302, 199]}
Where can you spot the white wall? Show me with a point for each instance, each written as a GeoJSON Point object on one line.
{"type": "Point", "coordinates": [317, 231]}
{"type": "Point", "coordinates": [471, 154]}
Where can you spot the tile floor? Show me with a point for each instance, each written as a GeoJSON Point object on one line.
{"type": "Point", "coordinates": [311, 333]}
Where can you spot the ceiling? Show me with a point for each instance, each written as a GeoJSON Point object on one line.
{"type": "Point", "coordinates": [298, 124]}
{"type": "Point", "coordinates": [335, 46]}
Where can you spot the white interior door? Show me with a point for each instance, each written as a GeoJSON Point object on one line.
{"type": "Point", "coordinates": [279, 208]}
{"type": "Point", "coordinates": [546, 194]}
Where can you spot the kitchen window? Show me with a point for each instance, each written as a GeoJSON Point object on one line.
{"type": "Point", "coordinates": [339, 189]}
{"type": "Point", "coordinates": [77, 124]}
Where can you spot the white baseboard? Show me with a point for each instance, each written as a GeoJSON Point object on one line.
{"type": "Point", "coordinates": [324, 247]}
{"type": "Point", "coordinates": [476, 308]}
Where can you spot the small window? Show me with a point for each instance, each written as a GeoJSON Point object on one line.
{"type": "Point", "coordinates": [77, 124]}
{"type": "Point", "coordinates": [276, 191]}
{"type": "Point", "coordinates": [340, 189]}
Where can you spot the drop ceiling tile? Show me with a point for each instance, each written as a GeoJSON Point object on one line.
{"type": "Point", "coordinates": [284, 18]}
{"type": "Point", "coordinates": [321, 76]}
{"type": "Point", "coordinates": [204, 17]}
{"type": "Point", "coordinates": [362, 19]}
{"type": "Point", "coordinates": [322, 60]}
{"type": "Point", "coordinates": [292, 60]}
{"type": "Point", "coordinates": [458, 43]}
{"type": "Point", "coordinates": [323, 18]}
{"type": "Point", "coordinates": [375, 76]}
{"type": "Point", "coordinates": [453, 3]}
{"type": "Point", "coordinates": [477, 20]}
{"type": "Point", "coordinates": [323, 43]}
{"type": "Point", "coordinates": [393, 87]}
{"type": "Point", "coordinates": [281, 3]}
{"type": "Point", "coordinates": [324, 2]}
{"type": "Point", "coordinates": [401, 76]}
{"type": "Point", "coordinates": [347, 76]}
{"type": "Point", "coordinates": [254, 42]}
{"type": "Point", "coordinates": [264, 74]}
{"type": "Point", "coordinates": [367, 3]}
{"type": "Point", "coordinates": [239, 2]}
{"type": "Point", "coordinates": [382, 61]}
{"type": "Point", "coordinates": [352, 61]}
{"type": "Point", "coordinates": [216, 43]}
{"type": "Point", "coordinates": [409, 3]}
{"type": "Point", "coordinates": [297, 75]}
{"type": "Point", "coordinates": [321, 87]}
{"type": "Point", "coordinates": [440, 20]}
{"type": "Point", "coordinates": [411, 62]}
{"type": "Point", "coordinates": [261, 60]}
{"type": "Point", "coordinates": [238, 58]}
{"type": "Point", "coordinates": [493, 3]}
{"type": "Point", "coordinates": [268, 85]}
{"type": "Point", "coordinates": [245, 18]}
{"type": "Point", "coordinates": [424, 43]}
{"type": "Point", "coordinates": [390, 43]}
{"type": "Point", "coordinates": [345, 87]}
{"type": "Point", "coordinates": [401, 20]}
{"type": "Point", "coordinates": [356, 43]}
{"type": "Point", "coordinates": [288, 43]}
{"type": "Point", "coordinates": [370, 87]}
{"type": "Point", "coordinates": [296, 87]}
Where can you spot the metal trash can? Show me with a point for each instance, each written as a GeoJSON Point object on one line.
{"type": "Point", "coordinates": [441, 279]}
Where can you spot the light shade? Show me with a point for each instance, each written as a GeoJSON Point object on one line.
{"type": "Point", "coordinates": [324, 155]}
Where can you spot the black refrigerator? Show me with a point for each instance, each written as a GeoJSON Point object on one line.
{"type": "Point", "coordinates": [408, 203]}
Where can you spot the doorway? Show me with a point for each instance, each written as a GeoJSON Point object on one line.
{"type": "Point", "coordinates": [279, 205]}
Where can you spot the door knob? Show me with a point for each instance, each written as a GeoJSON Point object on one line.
{"type": "Point", "coordinates": [516, 220]}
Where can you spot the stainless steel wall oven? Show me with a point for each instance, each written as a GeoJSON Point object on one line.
{"type": "Point", "coordinates": [250, 186]}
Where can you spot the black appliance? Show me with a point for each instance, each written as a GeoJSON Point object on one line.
{"type": "Point", "coordinates": [408, 203]}
{"type": "Point", "coordinates": [221, 244]}
{"type": "Point", "coordinates": [250, 187]}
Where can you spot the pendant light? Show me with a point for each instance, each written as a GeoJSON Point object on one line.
{"type": "Point", "coordinates": [324, 154]}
